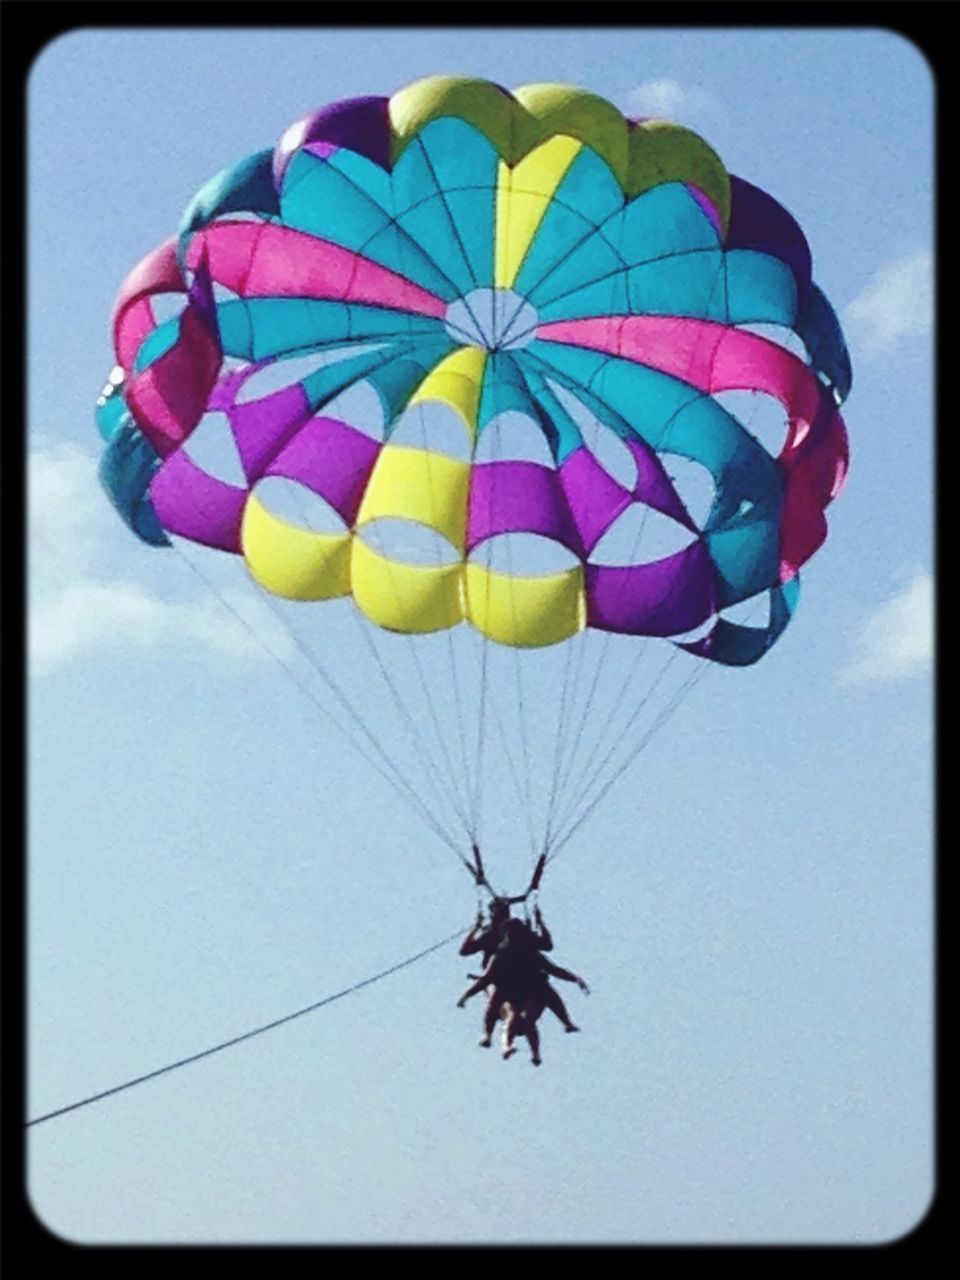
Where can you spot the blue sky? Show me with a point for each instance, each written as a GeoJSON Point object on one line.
{"type": "Point", "coordinates": [751, 904]}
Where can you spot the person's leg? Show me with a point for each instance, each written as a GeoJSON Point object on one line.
{"type": "Point", "coordinates": [554, 1002]}
{"type": "Point", "coordinates": [533, 1039]}
{"type": "Point", "coordinates": [510, 1031]}
{"type": "Point", "coordinates": [490, 1016]}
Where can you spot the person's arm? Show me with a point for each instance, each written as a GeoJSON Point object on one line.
{"type": "Point", "coordinates": [556, 972]}
{"type": "Point", "coordinates": [472, 990]}
{"type": "Point", "coordinates": [481, 983]}
{"type": "Point", "coordinates": [473, 942]}
{"type": "Point", "coordinates": [544, 939]}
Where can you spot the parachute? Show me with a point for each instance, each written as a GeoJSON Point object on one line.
{"type": "Point", "coordinates": [487, 364]}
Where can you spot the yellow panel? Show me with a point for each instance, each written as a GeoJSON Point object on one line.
{"type": "Point", "coordinates": [523, 194]}
{"type": "Point", "coordinates": [456, 382]}
{"type": "Point", "coordinates": [526, 612]}
{"type": "Point", "coordinates": [412, 484]}
{"type": "Point", "coordinates": [406, 597]}
{"type": "Point", "coordinates": [294, 562]}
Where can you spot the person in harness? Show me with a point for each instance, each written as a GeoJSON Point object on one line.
{"type": "Point", "coordinates": [518, 977]}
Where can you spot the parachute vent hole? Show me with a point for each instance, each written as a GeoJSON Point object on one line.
{"type": "Point", "coordinates": [641, 535]}
{"type": "Point", "coordinates": [759, 414]}
{"type": "Point", "coordinates": [698, 633]}
{"type": "Point", "coordinates": [513, 436]}
{"type": "Point", "coordinates": [212, 447]}
{"type": "Point", "coordinates": [408, 542]}
{"type": "Point", "coordinates": [166, 306]}
{"type": "Point", "coordinates": [495, 319]}
{"type": "Point", "coordinates": [754, 612]}
{"type": "Point", "coordinates": [289, 370]}
{"type": "Point", "coordinates": [523, 555]}
{"type": "Point", "coordinates": [360, 407]}
{"type": "Point", "coordinates": [435, 427]}
{"type": "Point", "coordinates": [781, 335]}
{"type": "Point", "coordinates": [607, 447]}
{"type": "Point", "coordinates": [694, 485]}
{"type": "Point", "coordinates": [296, 504]}
{"type": "Point", "coordinates": [221, 294]}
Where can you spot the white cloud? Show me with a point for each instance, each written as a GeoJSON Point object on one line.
{"type": "Point", "coordinates": [80, 602]}
{"type": "Point", "coordinates": [124, 616]}
{"type": "Point", "coordinates": [68, 514]}
{"type": "Point", "coordinates": [667, 100]}
{"type": "Point", "coordinates": [897, 302]}
{"type": "Point", "coordinates": [897, 641]}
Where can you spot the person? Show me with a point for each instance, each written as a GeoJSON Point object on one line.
{"type": "Point", "coordinates": [517, 974]}
{"type": "Point", "coordinates": [487, 938]}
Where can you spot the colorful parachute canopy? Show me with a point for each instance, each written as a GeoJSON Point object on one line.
{"type": "Point", "coordinates": [479, 253]}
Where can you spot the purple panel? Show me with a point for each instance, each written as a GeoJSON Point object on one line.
{"type": "Point", "coordinates": [228, 386]}
{"type": "Point", "coordinates": [359, 124]}
{"type": "Point", "coordinates": [322, 150]}
{"type": "Point", "coordinates": [707, 205]}
{"type": "Point", "coordinates": [653, 485]}
{"type": "Point", "coordinates": [262, 427]}
{"type": "Point", "coordinates": [196, 505]}
{"type": "Point", "coordinates": [758, 222]}
{"type": "Point", "coordinates": [593, 496]}
{"type": "Point", "coordinates": [331, 459]}
{"type": "Point", "coordinates": [202, 299]}
{"type": "Point", "coordinates": [518, 497]}
{"type": "Point", "coordinates": [665, 598]}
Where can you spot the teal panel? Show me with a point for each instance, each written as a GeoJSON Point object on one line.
{"type": "Point", "coordinates": [248, 188]}
{"type": "Point", "coordinates": [760, 289]}
{"type": "Point", "coordinates": [504, 390]}
{"type": "Point", "coordinates": [157, 342]}
{"type": "Point", "coordinates": [126, 469]}
{"type": "Point", "coordinates": [666, 221]}
{"type": "Point", "coordinates": [667, 415]}
{"type": "Point", "coordinates": [564, 435]}
{"type": "Point", "coordinates": [738, 646]}
{"type": "Point", "coordinates": [819, 329]}
{"type": "Point", "coordinates": [589, 188]}
{"type": "Point", "coordinates": [319, 199]}
{"type": "Point", "coordinates": [236, 331]}
{"type": "Point", "coordinates": [473, 212]}
{"type": "Point", "coordinates": [329, 381]}
{"type": "Point", "coordinates": [450, 157]}
{"type": "Point", "coordinates": [267, 327]}
{"type": "Point", "coordinates": [567, 253]}
{"type": "Point", "coordinates": [606, 297]}
{"type": "Point", "coordinates": [111, 411]}
{"type": "Point", "coordinates": [741, 467]}
{"type": "Point", "coordinates": [691, 284]}
{"type": "Point", "coordinates": [747, 559]}
{"type": "Point", "coordinates": [431, 223]}
{"type": "Point", "coordinates": [587, 195]}
{"type": "Point", "coordinates": [395, 381]}
{"type": "Point", "coordinates": [366, 176]}
{"type": "Point", "coordinates": [662, 222]}
{"type": "Point", "coordinates": [458, 156]}
{"type": "Point", "coordinates": [322, 197]}
{"type": "Point", "coordinates": [393, 248]}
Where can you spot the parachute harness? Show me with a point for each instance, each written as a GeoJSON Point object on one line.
{"type": "Point", "coordinates": [479, 875]}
